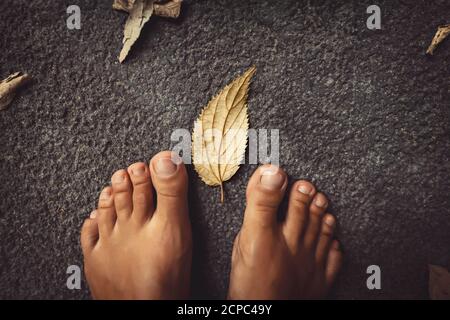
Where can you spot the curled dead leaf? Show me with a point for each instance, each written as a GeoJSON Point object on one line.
{"type": "Point", "coordinates": [169, 9]}
{"type": "Point", "coordinates": [124, 5]}
{"type": "Point", "coordinates": [441, 33]}
{"type": "Point", "coordinates": [439, 283]}
{"type": "Point", "coordinates": [9, 87]}
{"type": "Point", "coordinates": [220, 133]}
{"type": "Point", "coordinates": [140, 12]}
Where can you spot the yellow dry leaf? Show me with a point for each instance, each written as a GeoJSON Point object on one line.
{"type": "Point", "coordinates": [441, 33]}
{"type": "Point", "coordinates": [9, 87]}
{"type": "Point", "coordinates": [140, 13]}
{"type": "Point", "coordinates": [220, 133]}
{"type": "Point", "coordinates": [439, 283]}
{"type": "Point", "coordinates": [124, 5]}
{"type": "Point", "coordinates": [169, 9]}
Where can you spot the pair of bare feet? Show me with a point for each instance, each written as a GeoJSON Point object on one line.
{"type": "Point", "coordinates": [137, 243]}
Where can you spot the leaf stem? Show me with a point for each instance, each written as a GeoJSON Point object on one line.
{"type": "Point", "coordinates": [221, 193]}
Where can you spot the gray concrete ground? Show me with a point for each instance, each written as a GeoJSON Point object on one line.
{"type": "Point", "coordinates": [363, 114]}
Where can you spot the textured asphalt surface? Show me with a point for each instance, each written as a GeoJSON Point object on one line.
{"type": "Point", "coordinates": [363, 114]}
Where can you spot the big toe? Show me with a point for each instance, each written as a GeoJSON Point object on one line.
{"type": "Point", "coordinates": [265, 191]}
{"type": "Point", "coordinates": [170, 180]}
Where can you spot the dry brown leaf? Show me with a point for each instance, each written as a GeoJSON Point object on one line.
{"type": "Point", "coordinates": [439, 283]}
{"type": "Point", "coordinates": [441, 33]}
{"type": "Point", "coordinates": [220, 133]}
{"type": "Point", "coordinates": [170, 9]}
{"type": "Point", "coordinates": [140, 12]}
{"type": "Point", "coordinates": [124, 5]}
{"type": "Point", "coordinates": [9, 87]}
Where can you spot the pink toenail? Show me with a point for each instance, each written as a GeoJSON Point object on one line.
{"type": "Point", "coordinates": [271, 178]}
{"type": "Point", "coordinates": [118, 177]}
{"type": "Point", "coordinates": [105, 195]}
{"type": "Point", "coordinates": [176, 159]}
{"type": "Point", "coordinates": [305, 189]}
{"type": "Point", "coordinates": [329, 220]}
{"type": "Point", "coordinates": [320, 202]}
{"type": "Point", "coordinates": [138, 171]}
{"type": "Point", "coordinates": [93, 214]}
{"type": "Point", "coordinates": [165, 167]}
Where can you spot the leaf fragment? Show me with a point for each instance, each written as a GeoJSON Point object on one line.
{"type": "Point", "coordinates": [9, 87]}
{"type": "Point", "coordinates": [140, 11]}
{"type": "Point", "coordinates": [220, 133]}
{"type": "Point", "coordinates": [123, 5]}
{"type": "Point", "coordinates": [441, 33]}
{"type": "Point", "coordinates": [439, 283]}
{"type": "Point", "coordinates": [170, 9]}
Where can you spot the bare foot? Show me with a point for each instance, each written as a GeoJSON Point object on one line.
{"type": "Point", "coordinates": [133, 250]}
{"type": "Point", "coordinates": [294, 259]}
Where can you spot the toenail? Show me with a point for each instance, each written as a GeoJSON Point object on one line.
{"type": "Point", "coordinates": [138, 171]}
{"type": "Point", "coordinates": [165, 167]}
{"type": "Point", "coordinates": [118, 177]}
{"type": "Point", "coordinates": [305, 189]}
{"type": "Point", "coordinates": [176, 159]}
{"type": "Point", "coordinates": [93, 214]}
{"type": "Point", "coordinates": [105, 195]}
{"type": "Point", "coordinates": [271, 179]}
{"type": "Point", "coordinates": [320, 202]}
{"type": "Point", "coordinates": [329, 220]}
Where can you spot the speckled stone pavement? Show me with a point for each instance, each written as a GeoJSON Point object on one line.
{"type": "Point", "coordinates": [363, 114]}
